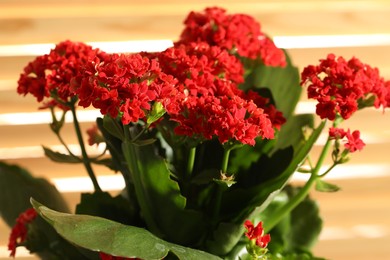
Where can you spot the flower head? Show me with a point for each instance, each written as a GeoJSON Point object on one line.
{"type": "Point", "coordinates": [237, 33]}
{"type": "Point", "coordinates": [20, 230]}
{"type": "Point", "coordinates": [126, 86]}
{"type": "Point", "coordinates": [353, 143]}
{"type": "Point", "coordinates": [257, 234]}
{"type": "Point", "coordinates": [212, 105]}
{"type": "Point", "coordinates": [51, 75]}
{"type": "Point", "coordinates": [341, 86]}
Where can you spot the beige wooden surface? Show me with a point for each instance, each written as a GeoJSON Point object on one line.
{"type": "Point", "coordinates": [357, 219]}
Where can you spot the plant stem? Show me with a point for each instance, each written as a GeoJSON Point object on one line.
{"type": "Point", "coordinates": [85, 158]}
{"type": "Point", "coordinates": [140, 133]}
{"type": "Point", "coordinates": [225, 160]}
{"type": "Point", "coordinates": [132, 164]}
{"type": "Point", "coordinates": [280, 213]}
{"type": "Point", "coordinates": [66, 146]}
{"type": "Point", "coordinates": [218, 196]}
{"type": "Point", "coordinates": [190, 162]}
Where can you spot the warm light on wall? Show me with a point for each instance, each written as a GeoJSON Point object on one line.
{"type": "Point", "coordinates": [285, 42]}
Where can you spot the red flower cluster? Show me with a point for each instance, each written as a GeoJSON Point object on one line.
{"type": "Point", "coordinates": [51, 75]}
{"type": "Point", "coordinates": [257, 234]}
{"type": "Point", "coordinates": [213, 105]}
{"type": "Point", "coordinates": [127, 85]}
{"type": "Point", "coordinates": [19, 231]}
{"type": "Point", "coordinates": [353, 143]}
{"type": "Point", "coordinates": [339, 85]}
{"type": "Point", "coordinates": [237, 33]}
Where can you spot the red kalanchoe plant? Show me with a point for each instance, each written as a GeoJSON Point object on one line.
{"type": "Point", "coordinates": [20, 231]}
{"type": "Point", "coordinates": [197, 133]}
{"type": "Point", "coordinates": [237, 33]}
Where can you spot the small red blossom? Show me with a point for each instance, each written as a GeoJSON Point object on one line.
{"type": "Point", "coordinates": [257, 234]}
{"type": "Point", "coordinates": [341, 86]}
{"type": "Point", "coordinates": [20, 230]}
{"type": "Point", "coordinates": [237, 33]}
{"type": "Point", "coordinates": [352, 143]}
{"type": "Point", "coordinates": [337, 133]}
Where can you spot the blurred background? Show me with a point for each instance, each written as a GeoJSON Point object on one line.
{"type": "Point", "coordinates": [356, 219]}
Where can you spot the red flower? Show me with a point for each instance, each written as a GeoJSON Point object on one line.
{"type": "Point", "coordinates": [336, 133]}
{"type": "Point", "coordinates": [353, 142]}
{"type": "Point", "coordinates": [127, 85]}
{"type": "Point", "coordinates": [340, 86]}
{"type": "Point", "coordinates": [237, 33]}
{"type": "Point", "coordinates": [257, 234]}
{"type": "Point", "coordinates": [51, 75]}
{"type": "Point", "coordinates": [212, 105]}
{"type": "Point", "coordinates": [20, 230]}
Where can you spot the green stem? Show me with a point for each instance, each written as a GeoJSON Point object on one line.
{"type": "Point", "coordinates": [280, 213]}
{"type": "Point", "coordinates": [328, 170]}
{"type": "Point", "coordinates": [85, 158]}
{"type": "Point", "coordinates": [220, 188]}
{"type": "Point", "coordinates": [140, 133]}
{"type": "Point", "coordinates": [225, 160]}
{"type": "Point", "coordinates": [132, 163]}
{"type": "Point", "coordinates": [66, 146]}
{"type": "Point", "coordinates": [190, 162]}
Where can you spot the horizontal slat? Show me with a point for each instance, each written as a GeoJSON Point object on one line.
{"type": "Point", "coordinates": [43, 23]}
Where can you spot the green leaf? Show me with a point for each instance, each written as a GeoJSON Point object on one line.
{"type": "Point", "coordinates": [225, 237]}
{"type": "Point", "coordinates": [99, 234]}
{"type": "Point", "coordinates": [113, 145]}
{"type": "Point", "coordinates": [113, 127]}
{"type": "Point", "coordinates": [156, 113]}
{"type": "Point", "coordinates": [17, 185]}
{"type": "Point", "coordinates": [292, 132]}
{"type": "Point", "coordinates": [258, 196]}
{"type": "Point", "coordinates": [324, 186]}
{"type": "Point", "coordinates": [299, 230]}
{"type": "Point", "coordinates": [60, 157]}
{"type": "Point", "coordinates": [283, 83]}
{"type": "Point", "coordinates": [102, 204]}
{"type": "Point", "coordinates": [159, 197]}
